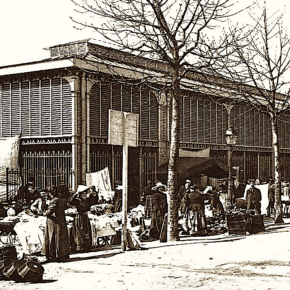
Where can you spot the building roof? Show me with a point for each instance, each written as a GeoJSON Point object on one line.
{"type": "Point", "coordinates": [86, 53]}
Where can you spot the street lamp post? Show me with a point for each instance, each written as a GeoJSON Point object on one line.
{"type": "Point", "coordinates": [231, 140]}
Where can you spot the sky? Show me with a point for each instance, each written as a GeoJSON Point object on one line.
{"type": "Point", "coordinates": [29, 26]}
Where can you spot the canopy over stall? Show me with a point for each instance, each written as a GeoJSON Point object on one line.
{"type": "Point", "coordinates": [192, 167]}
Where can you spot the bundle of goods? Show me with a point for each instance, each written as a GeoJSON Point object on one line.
{"type": "Point", "coordinates": [72, 211]}
{"type": "Point", "coordinates": [100, 209]}
{"type": "Point", "coordinates": [136, 215]}
{"type": "Point", "coordinates": [18, 270]}
{"type": "Point", "coordinates": [30, 233]}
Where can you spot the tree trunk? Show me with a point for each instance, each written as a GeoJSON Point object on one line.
{"type": "Point", "coordinates": [277, 176]}
{"type": "Point", "coordinates": [173, 205]}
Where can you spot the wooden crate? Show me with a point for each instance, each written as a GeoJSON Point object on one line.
{"type": "Point", "coordinates": [237, 225]}
{"type": "Point", "coordinates": [237, 228]}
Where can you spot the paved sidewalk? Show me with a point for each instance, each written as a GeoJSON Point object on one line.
{"type": "Point", "coordinates": [259, 261]}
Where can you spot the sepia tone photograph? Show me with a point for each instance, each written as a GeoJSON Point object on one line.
{"type": "Point", "coordinates": [144, 144]}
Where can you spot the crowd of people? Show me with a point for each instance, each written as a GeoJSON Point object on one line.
{"type": "Point", "coordinates": [192, 202]}
{"type": "Point", "coordinates": [52, 202]}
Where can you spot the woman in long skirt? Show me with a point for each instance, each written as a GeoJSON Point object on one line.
{"type": "Point", "coordinates": [81, 225]}
{"type": "Point", "coordinates": [56, 245]}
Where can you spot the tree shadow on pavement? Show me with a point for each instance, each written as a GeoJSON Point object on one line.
{"type": "Point", "coordinates": [74, 259]}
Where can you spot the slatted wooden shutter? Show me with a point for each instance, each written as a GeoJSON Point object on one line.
{"type": "Point", "coordinates": [95, 111]}
{"type": "Point", "coordinates": [15, 109]}
{"type": "Point", "coordinates": [105, 106]}
{"type": "Point", "coordinates": [6, 110]}
{"type": "Point", "coordinates": [66, 108]}
{"type": "Point", "coordinates": [154, 117]}
{"type": "Point", "coordinates": [35, 108]}
{"type": "Point", "coordinates": [56, 107]}
{"type": "Point", "coordinates": [45, 108]}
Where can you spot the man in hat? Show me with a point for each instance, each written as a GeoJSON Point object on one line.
{"type": "Point", "coordinates": [253, 198]}
{"type": "Point", "coordinates": [271, 198]}
{"type": "Point", "coordinates": [63, 189]}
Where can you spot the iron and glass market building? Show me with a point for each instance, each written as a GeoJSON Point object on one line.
{"type": "Point", "coordinates": [60, 107]}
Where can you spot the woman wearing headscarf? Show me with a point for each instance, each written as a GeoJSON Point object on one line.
{"type": "Point", "coordinates": [194, 202]}
{"type": "Point", "coordinates": [56, 245]}
{"type": "Point", "coordinates": [81, 226]}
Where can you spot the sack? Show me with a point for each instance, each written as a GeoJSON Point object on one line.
{"type": "Point", "coordinates": [133, 242]}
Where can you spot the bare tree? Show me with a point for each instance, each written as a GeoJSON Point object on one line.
{"type": "Point", "coordinates": [171, 31]}
{"type": "Point", "coordinates": [256, 73]}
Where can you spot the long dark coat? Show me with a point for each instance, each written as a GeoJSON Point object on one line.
{"type": "Point", "coordinates": [56, 243]}
{"type": "Point", "coordinates": [159, 209]}
{"type": "Point", "coordinates": [82, 232]}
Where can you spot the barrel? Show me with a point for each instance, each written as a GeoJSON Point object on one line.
{"type": "Point", "coordinates": [31, 272]}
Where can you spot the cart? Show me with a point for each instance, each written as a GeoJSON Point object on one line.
{"type": "Point", "coordinates": [103, 237]}
{"type": "Point", "coordinates": [7, 233]}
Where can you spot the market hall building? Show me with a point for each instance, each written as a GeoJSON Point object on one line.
{"type": "Point", "coordinates": [60, 107]}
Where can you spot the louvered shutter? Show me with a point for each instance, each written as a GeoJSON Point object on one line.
{"type": "Point", "coordinates": [225, 121]}
{"type": "Point", "coordinates": [236, 120]}
{"type": "Point", "coordinates": [220, 132]}
{"type": "Point", "coordinates": [95, 113]}
{"type": "Point", "coordinates": [213, 118]}
{"type": "Point", "coordinates": [6, 110]}
{"type": "Point", "coordinates": [200, 120]}
{"type": "Point", "coordinates": [66, 108]}
{"type": "Point", "coordinates": [154, 120]}
{"type": "Point", "coordinates": [185, 119]}
{"type": "Point", "coordinates": [135, 100]}
{"type": "Point", "coordinates": [56, 103]}
{"type": "Point", "coordinates": [207, 124]}
{"type": "Point", "coordinates": [25, 109]}
{"type": "Point", "coordinates": [45, 108]}
{"type": "Point", "coordinates": [126, 98]}
{"type": "Point", "coordinates": [193, 119]}
{"type": "Point", "coordinates": [144, 114]}
{"type": "Point", "coordinates": [116, 97]}
{"type": "Point", "coordinates": [15, 109]}
{"type": "Point", "coordinates": [105, 106]}
{"type": "Point", "coordinates": [136, 104]}
{"type": "Point", "coordinates": [35, 108]}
